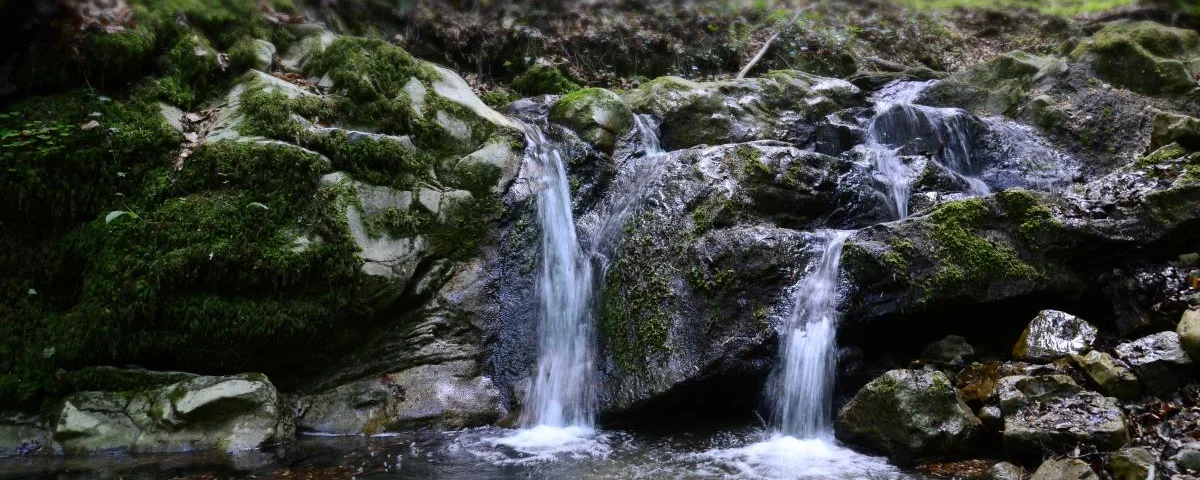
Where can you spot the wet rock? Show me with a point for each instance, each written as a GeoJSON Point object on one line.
{"type": "Point", "coordinates": [1149, 299]}
{"type": "Point", "coordinates": [1135, 463]}
{"type": "Point", "coordinates": [1053, 334]}
{"type": "Point", "coordinates": [452, 395]}
{"type": "Point", "coordinates": [22, 435]}
{"type": "Point", "coordinates": [1112, 377]}
{"type": "Point", "coordinates": [1146, 57]}
{"type": "Point", "coordinates": [235, 413]}
{"type": "Point", "coordinates": [952, 349]}
{"type": "Point", "coordinates": [907, 413]}
{"type": "Point", "coordinates": [1067, 468]}
{"type": "Point", "coordinates": [1007, 471]}
{"type": "Point", "coordinates": [1189, 333]}
{"type": "Point", "coordinates": [783, 105]}
{"type": "Point", "coordinates": [1051, 413]}
{"type": "Point", "coordinates": [978, 381]}
{"type": "Point", "coordinates": [1159, 362]}
{"type": "Point", "coordinates": [599, 116]}
{"type": "Point", "coordinates": [997, 86]}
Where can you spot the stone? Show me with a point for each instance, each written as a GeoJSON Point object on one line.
{"type": "Point", "coordinates": [1188, 458]}
{"type": "Point", "coordinates": [1007, 471]}
{"type": "Point", "coordinates": [952, 349]}
{"type": "Point", "coordinates": [264, 55]}
{"type": "Point", "coordinates": [451, 395]}
{"type": "Point", "coordinates": [1049, 414]}
{"type": "Point", "coordinates": [1113, 378]}
{"type": "Point", "coordinates": [1159, 362]}
{"type": "Point", "coordinates": [22, 435]}
{"type": "Point", "coordinates": [237, 413]}
{"type": "Point", "coordinates": [908, 413]}
{"type": "Point", "coordinates": [1064, 469]}
{"type": "Point", "coordinates": [599, 116]}
{"type": "Point", "coordinates": [1189, 333]}
{"type": "Point", "coordinates": [1136, 463]}
{"type": "Point", "coordinates": [1145, 57]}
{"type": "Point", "coordinates": [1173, 128]}
{"type": "Point", "coordinates": [1053, 334]}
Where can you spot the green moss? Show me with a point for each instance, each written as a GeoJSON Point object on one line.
{"type": "Point", "coordinates": [1143, 56]}
{"type": "Point", "coordinates": [122, 56]}
{"type": "Point", "coordinates": [967, 258]}
{"type": "Point", "coordinates": [499, 98]}
{"type": "Point", "coordinates": [543, 80]}
{"type": "Point", "coordinates": [636, 310]}
{"type": "Point", "coordinates": [1034, 221]}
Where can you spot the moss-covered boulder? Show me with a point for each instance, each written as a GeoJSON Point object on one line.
{"type": "Point", "coordinates": [1172, 128]}
{"type": "Point", "coordinates": [599, 116]}
{"type": "Point", "coordinates": [908, 413]}
{"type": "Point", "coordinates": [782, 105]}
{"type": "Point", "coordinates": [1145, 57]}
{"type": "Point", "coordinates": [998, 86]}
{"type": "Point", "coordinates": [235, 413]}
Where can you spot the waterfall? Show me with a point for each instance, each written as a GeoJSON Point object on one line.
{"type": "Point", "coordinates": [629, 191]}
{"type": "Point", "coordinates": [562, 392]}
{"type": "Point", "coordinates": [803, 381]}
{"type": "Point", "coordinates": [944, 134]}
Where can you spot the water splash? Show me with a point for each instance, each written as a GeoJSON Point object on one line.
{"type": "Point", "coordinates": [562, 392]}
{"type": "Point", "coordinates": [803, 382]}
{"type": "Point", "coordinates": [945, 135]}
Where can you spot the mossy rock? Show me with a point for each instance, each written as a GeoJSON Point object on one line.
{"type": "Point", "coordinates": [1145, 57]}
{"type": "Point", "coordinates": [998, 86]}
{"type": "Point", "coordinates": [599, 116]}
{"type": "Point", "coordinates": [907, 414]}
{"type": "Point", "coordinates": [543, 80]}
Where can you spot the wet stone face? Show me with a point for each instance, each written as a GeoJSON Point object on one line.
{"type": "Point", "coordinates": [1054, 334]}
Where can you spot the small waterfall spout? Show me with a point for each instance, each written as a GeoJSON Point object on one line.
{"type": "Point", "coordinates": [803, 381]}
{"type": "Point", "coordinates": [562, 393]}
{"type": "Point", "coordinates": [631, 191]}
{"type": "Point", "coordinates": [943, 133]}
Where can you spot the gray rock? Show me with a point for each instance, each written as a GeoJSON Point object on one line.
{"type": "Point", "coordinates": [1189, 333]}
{"type": "Point", "coordinates": [907, 413]}
{"type": "Point", "coordinates": [1063, 469]}
{"type": "Point", "coordinates": [24, 435]}
{"type": "Point", "coordinates": [1188, 458]}
{"type": "Point", "coordinates": [952, 349]}
{"type": "Point", "coordinates": [783, 105]}
{"type": "Point", "coordinates": [451, 395]}
{"type": "Point", "coordinates": [1048, 414]}
{"type": "Point", "coordinates": [1159, 362]}
{"type": "Point", "coordinates": [1053, 334]}
{"type": "Point", "coordinates": [599, 116]}
{"type": "Point", "coordinates": [264, 55]}
{"type": "Point", "coordinates": [235, 413]}
{"type": "Point", "coordinates": [1137, 463]}
{"type": "Point", "coordinates": [1113, 378]}
{"type": "Point", "coordinates": [1007, 471]}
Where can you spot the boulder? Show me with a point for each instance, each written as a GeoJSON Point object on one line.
{"type": "Point", "coordinates": [1049, 414]}
{"type": "Point", "coordinates": [1187, 458]}
{"type": "Point", "coordinates": [1007, 471]}
{"type": "Point", "coordinates": [1053, 334]}
{"type": "Point", "coordinates": [1113, 378]}
{"type": "Point", "coordinates": [22, 434]}
{"type": "Point", "coordinates": [1174, 128]}
{"type": "Point", "coordinates": [241, 412]}
{"type": "Point", "coordinates": [783, 105]}
{"type": "Point", "coordinates": [599, 116]}
{"type": "Point", "coordinates": [1136, 463]}
{"type": "Point", "coordinates": [1017, 390]}
{"type": "Point", "coordinates": [1159, 362]}
{"type": "Point", "coordinates": [908, 413]}
{"type": "Point", "coordinates": [1063, 469]}
{"type": "Point", "coordinates": [1145, 57]}
{"type": "Point", "coordinates": [1189, 333]}
{"type": "Point", "coordinates": [952, 349]}
{"type": "Point", "coordinates": [451, 395]}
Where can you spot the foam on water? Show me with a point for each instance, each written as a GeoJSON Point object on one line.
{"type": "Point", "coordinates": [785, 456]}
{"type": "Point", "coordinates": [542, 443]}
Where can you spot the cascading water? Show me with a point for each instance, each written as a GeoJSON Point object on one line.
{"type": "Point", "coordinates": [629, 191]}
{"type": "Point", "coordinates": [561, 394]}
{"type": "Point", "coordinates": [944, 132]}
{"type": "Point", "coordinates": [803, 384]}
